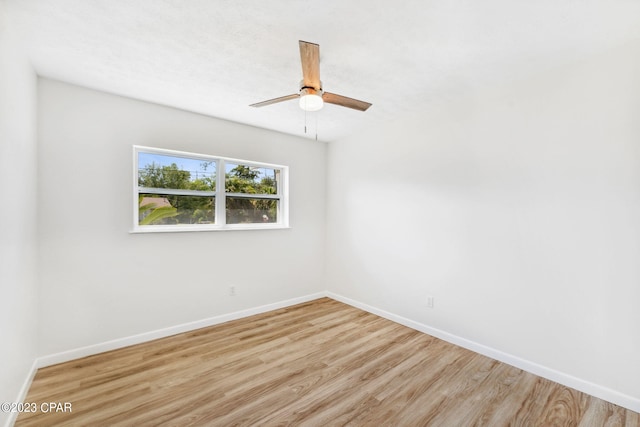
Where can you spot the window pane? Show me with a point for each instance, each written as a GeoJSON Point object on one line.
{"type": "Point", "coordinates": [168, 209]}
{"type": "Point", "coordinates": [250, 211]}
{"type": "Point", "coordinates": [160, 171]}
{"type": "Point", "coordinates": [251, 180]}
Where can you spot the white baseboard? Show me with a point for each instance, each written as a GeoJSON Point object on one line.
{"type": "Point", "coordinates": [90, 350]}
{"type": "Point", "coordinates": [22, 394]}
{"type": "Point", "coordinates": [596, 390]}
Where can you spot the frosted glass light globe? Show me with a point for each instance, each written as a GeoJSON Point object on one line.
{"type": "Point", "coordinates": [311, 102]}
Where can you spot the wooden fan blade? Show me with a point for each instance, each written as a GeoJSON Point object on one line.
{"type": "Point", "coordinates": [310, 57]}
{"type": "Point", "coordinates": [343, 101]}
{"type": "Point", "coordinates": [275, 100]}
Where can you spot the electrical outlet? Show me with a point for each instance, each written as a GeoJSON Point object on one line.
{"type": "Point", "coordinates": [232, 291]}
{"type": "Point", "coordinates": [430, 301]}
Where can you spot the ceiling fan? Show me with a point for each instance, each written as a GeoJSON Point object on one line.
{"type": "Point", "coordinates": [311, 95]}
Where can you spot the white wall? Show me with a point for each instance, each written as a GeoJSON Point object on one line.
{"type": "Point", "coordinates": [98, 281]}
{"type": "Point", "coordinates": [517, 207]}
{"type": "Point", "coordinates": [18, 245]}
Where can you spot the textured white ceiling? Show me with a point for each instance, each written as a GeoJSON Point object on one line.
{"type": "Point", "coordinates": [216, 57]}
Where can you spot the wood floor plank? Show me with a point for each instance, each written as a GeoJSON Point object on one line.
{"type": "Point", "coordinates": [343, 393]}
{"type": "Point", "coordinates": [320, 363]}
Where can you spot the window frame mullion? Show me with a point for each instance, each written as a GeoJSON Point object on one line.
{"type": "Point", "coordinates": [221, 202]}
{"type": "Point", "coordinates": [176, 192]}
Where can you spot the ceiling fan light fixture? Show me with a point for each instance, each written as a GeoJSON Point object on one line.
{"type": "Point", "coordinates": [311, 99]}
{"type": "Point", "coordinates": [311, 96]}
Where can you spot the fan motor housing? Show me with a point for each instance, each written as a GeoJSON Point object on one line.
{"type": "Point", "coordinates": [309, 90]}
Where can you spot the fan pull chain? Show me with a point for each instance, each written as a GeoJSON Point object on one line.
{"type": "Point", "coordinates": [305, 123]}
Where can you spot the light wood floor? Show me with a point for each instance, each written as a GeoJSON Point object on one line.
{"type": "Point", "coordinates": [321, 363]}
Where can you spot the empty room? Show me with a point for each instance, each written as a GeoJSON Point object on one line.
{"type": "Point", "coordinates": [332, 213]}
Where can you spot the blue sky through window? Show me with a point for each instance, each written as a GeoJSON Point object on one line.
{"type": "Point", "coordinates": [198, 168]}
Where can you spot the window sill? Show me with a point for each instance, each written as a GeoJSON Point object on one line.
{"type": "Point", "coordinates": [196, 228]}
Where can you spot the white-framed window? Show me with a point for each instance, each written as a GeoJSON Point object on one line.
{"type": "Point", "coordinates": [180, 191]}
